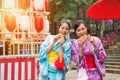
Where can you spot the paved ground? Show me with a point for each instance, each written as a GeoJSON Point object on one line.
{"type": "Point", "coordinates": [71, 75]}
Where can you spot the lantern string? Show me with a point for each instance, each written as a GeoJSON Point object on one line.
{"type": "Point", "coordinates": [25, 11]}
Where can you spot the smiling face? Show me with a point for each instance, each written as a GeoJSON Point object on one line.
{"type": "Point", "coordinates": [81, 30]}
{"type": "Point", "coordinates": [64, 29]}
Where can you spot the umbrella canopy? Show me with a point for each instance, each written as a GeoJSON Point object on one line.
{"type": "Point", "coordinates": [104, 10]}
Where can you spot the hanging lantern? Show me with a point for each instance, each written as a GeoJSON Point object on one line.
{"type": "Point", "coordinates": [0, 20]}
{"type": "Point", "coordinates": [0, 17]}
{"type": "Point", "coordinates": [46, 5]}
{"type": "Point", "coordinates": [18, 34]}
{"type": "Point", "coordinates": [46, 27]}
{"type": "Point", "coordinates": [10, 21]}
{"type": "Point", "coordinates": [0, 4]}
{"type": "Point", "coordinates": [39, 4]}
{"type": "Point", "coordinates": [24, 22]}
{"type": "Point", "coordinates": [0, 33]}
{"type": "Point", "coordinates": [23, 4]}
{"type": "Point", "coordinates": [26, 35]}
{"type": "Point", "coordinates": [9, 4]}
{"type": "Point", "coordinates": [39, 23]}
{"type": "Point", "coordinates": [1, 24]}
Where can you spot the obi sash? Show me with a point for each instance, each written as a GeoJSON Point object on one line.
{"type": "Point", "coordinates": [52, 56]}
{"type": "Point", "coordinates": [90, 61]}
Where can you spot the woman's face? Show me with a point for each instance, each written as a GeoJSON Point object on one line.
{"type": "Point", "coordinates": [81, 30]}
{"type": "Point", "coordinates": [64, 29]}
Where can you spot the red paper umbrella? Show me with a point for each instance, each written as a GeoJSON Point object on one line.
{"type": "Point", "coordinates": [39, 23]}
{"type": "Point", "coordinates": [104, 10]}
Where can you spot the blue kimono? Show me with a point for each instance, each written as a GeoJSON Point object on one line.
{"type": "Point", "coordinates": [48, 70]}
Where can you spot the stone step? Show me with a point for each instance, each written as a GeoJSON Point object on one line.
{"type": "Point", "coordinates": [112, 63]}
{"type": "Point", "coordinates": [113, 57]}
{"type": "Point", "coordinates": [113, 51]}
{"type": "Point", "coordinates": [112, 60]}
{"type": "Point", "coordinates": [113, 71]}
{"type": "Point", "coordinates": [112, 66]}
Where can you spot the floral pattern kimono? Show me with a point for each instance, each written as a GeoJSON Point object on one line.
{"type": "Point", "coordinates": [88, 50]}
{"type": "Point", "coordinates": [48, 70]}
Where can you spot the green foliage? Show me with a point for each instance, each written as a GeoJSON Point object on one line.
{"type": "Point", "coordinates": [93, 1]}
{"type": "Point", "coordinates": [70, 15]}
{"type": "Point", "coordinates": [68, 9]}
{"type": "Point", "coordinates": [59, 2]}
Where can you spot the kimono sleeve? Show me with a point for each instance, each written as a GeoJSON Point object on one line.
{"type": "Point", "coordinates": [43, 49]}
{"type": "Point", "coordinates": [67, 54]}
{"type": "Point", "coordinates": [102, 53]}
{"type": "Point", "coordinates": [44, 59]}
{"type": "Point", "coordinates": [74, 53]}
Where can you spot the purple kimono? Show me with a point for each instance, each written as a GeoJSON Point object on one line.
{"type": "Point", "coordinates": [88, 49]}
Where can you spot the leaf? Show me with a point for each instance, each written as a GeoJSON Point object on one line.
{"type": "Point", "coordinates": [50, 0]}
{"type": "Point", "coordinates": [59, 2]}
{"type": "Point", "coordinates": [84, 1]}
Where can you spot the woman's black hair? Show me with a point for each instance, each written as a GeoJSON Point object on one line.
{"type": "Point", "coordinates": [78, 23]}
{"type": "Point", "coordinates": [65, 21]}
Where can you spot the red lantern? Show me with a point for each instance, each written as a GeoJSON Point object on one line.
{"type": "Point", "coordinates": [18, 34]}
{"type": "Point", "coordinates": [26, 34]}
{"type": "Point", "coordinates": [10, 21]}
{"type": "Point", "coordinates": [39, 23]}
{"type": "Point", "coordinates": [46, 5]}
{"type": "Point", "coordinates": [23, 4]}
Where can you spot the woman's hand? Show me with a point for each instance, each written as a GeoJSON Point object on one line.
{"type": "Point", "coordinates": [83, 39]}
{"type": "Point", "coordinates": [91, 39]}
{"type": "Point", "coordinates": [61, 40]}
{"type": "Point", "coordinates": [59, 37]}
{"type": "Point", "coordinates": [56, 38]}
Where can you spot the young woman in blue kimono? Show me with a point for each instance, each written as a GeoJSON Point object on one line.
{"type": "Point", "coordinates": [84, 52]}
{"type": "Point", "coordinates": [52, 47]}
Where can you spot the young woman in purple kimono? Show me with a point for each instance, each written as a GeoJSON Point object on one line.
{"type": "Point", "coordinates": [83, 52]}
